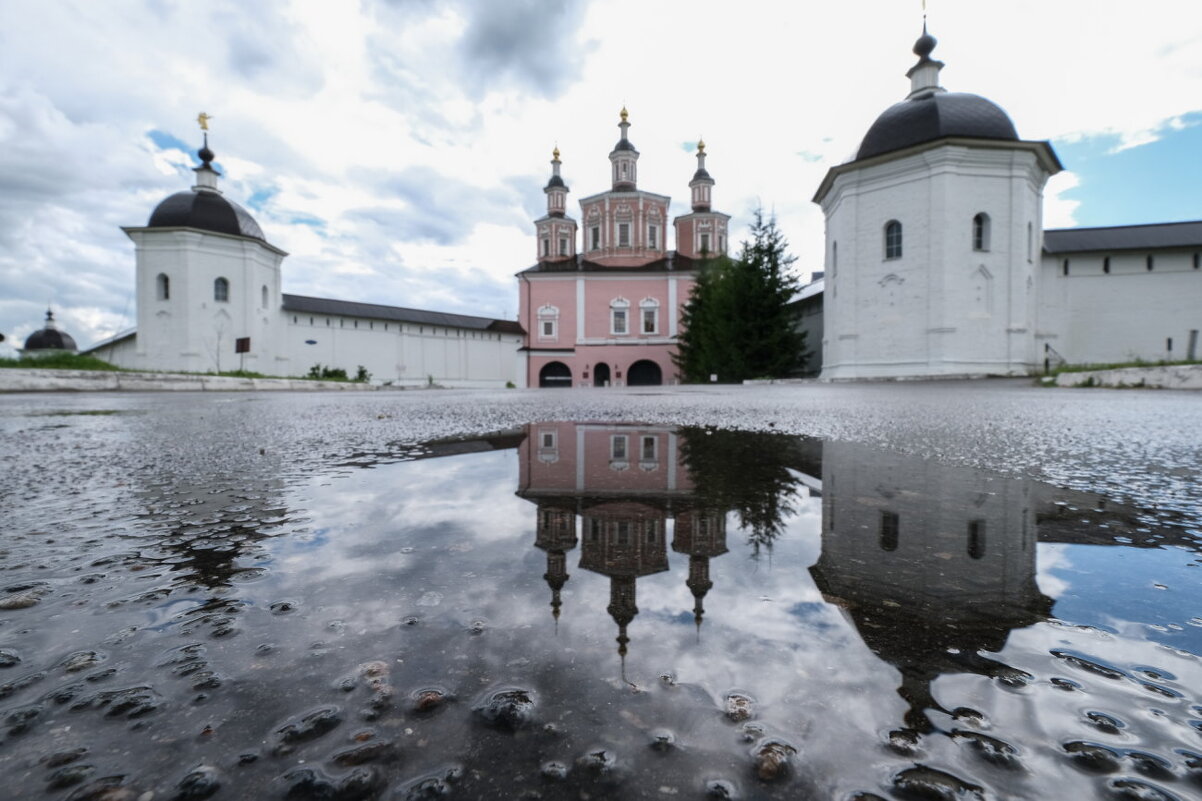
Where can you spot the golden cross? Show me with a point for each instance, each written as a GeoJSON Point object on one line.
{"type": "Point", "coordinates": [203, 119]}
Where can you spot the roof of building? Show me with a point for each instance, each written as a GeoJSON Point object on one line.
{"type": "Point", "coordinates": [556, 181]}
{"type": "Point", "coordinates": [207, 210]}
{"type": "Point", "coordinates": [672, 261]}
{"type": "Point", "coordinates": [624, 144]}
{"type": "Point", "coordinates": [1124, 237]}
{"type": "Point", "coordinates": [49, 337]}
{"type": "Point", "coordinates": [348, 308]}
{"type": "Point", "coordinates": [934, 116]}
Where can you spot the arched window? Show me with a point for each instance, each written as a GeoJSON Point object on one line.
{"type": "Point", "coordinates": [893, 240]}
{"type": "Point", "coordinates": [263, 295]}
{"type": "Point", "coordinates": [221, 290]}
{"type": "Point", "coordinates": [162, 287]}
{"type": "Point", "coordinates": [976, 538]}
{"type": "Point", "coordinates": [980, 232]}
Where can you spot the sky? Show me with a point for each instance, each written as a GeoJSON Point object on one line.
{"type": "Point", "coordinates": [397, 149]}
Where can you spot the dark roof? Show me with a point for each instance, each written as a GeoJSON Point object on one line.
{"type": "Point", "coordinates": [556, 181]}
{"type": "Point", "coordinates": [49, 338]}
{"type": "Point", "coordinates": [934, 116]}
{"type": "Point", "coordinates": [673, 261]}
{"type": "Point", "coordinates": [624, 144]}
{"type": "Point", "coordinates": [349, 308]}
{"type": "Point", "coordinates": [207, 210]}
{"type": "Point", "coordinates": [1124, 237]}
{"type": "Point", "coordinates": [702, 175]}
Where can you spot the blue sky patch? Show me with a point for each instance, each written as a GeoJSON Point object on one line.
{"type": "Point", "coordinates": [1144, 184]}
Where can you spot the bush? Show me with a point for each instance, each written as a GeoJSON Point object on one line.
{"type": "Point", "coordinates": [60, 361]}
{"type": "Point", "coordinates": [322, 373]}
{"type": "Point", "coordinates": [361, 375]}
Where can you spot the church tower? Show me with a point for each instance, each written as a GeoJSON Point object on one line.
{"type": "Point", "coordinates": [206, 278]}
{"type": "Point", "coordinates": [702, 233]}
{"type": "Point", "coordinates": [556, 231]}
{"type": "Point", "coordinates": [933, 237]}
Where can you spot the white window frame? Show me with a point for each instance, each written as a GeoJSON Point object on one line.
{"type": "Point", "coordinates": [703, 243]}
{"type": "Point", "coordinates": [548, 315]}
{"type": "Point", "coordinates": [623, 234]}
{"type": "Point", "coordinates": [221, 290]}
{"type": "Point", "coordinates": [649, 305]}
{"type": "Point", "coordinates": [619, 451]}
{"type": "Point", "coordinates": [619, 309]}
{"type": "Point", "coordinates": [653, 237]}
{"type": "Point", "coordinates": [894, 243]}
{"type": "Point", "coordinates": [563, 246]}
{"type": "Point", "coordinates": [595, 237]}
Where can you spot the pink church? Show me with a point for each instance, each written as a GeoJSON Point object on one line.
{"type": "Point", "coordinates": [609, 314]}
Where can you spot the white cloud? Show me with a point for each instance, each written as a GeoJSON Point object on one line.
{"type": "Point", "coordinates": [315, 108]}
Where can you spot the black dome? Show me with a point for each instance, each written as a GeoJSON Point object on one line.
{"type": "Point", "coordinates": [934, 116]}
{"type": "Point", "coordinates": [624, 144]}
{"type": "Point", "coordinates": [206, 210]}
{"type": "Point", "coordinates": [702, 175]}
{"type": "Point", "coordinates": [556, 181]}
{"type": "Point", "coordinates": [49, 339]}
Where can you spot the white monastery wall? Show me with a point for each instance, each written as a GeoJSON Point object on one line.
{"type": "Point", "coordinates": [1093, 317]}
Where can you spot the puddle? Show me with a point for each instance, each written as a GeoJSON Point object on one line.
{"type": "Point", "coordinates": [573, 610]}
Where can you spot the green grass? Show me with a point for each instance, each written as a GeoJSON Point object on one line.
{"type": "Point", "coordinates": [61, 361]}
{"type": "Point", "coordinates": [1085, 368]}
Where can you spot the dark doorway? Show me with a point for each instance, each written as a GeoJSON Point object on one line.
{"type": "Point", "coordinates": [555, 374]}
{"type": "Point", "coordinates": [601, 375]}
{"type": "Point", "coordinates": [644, 374]}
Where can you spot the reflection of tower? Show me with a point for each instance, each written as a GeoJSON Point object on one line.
{"type": "Point", "coordinates": [556, 535]}
{"type": "Point", "coordinates": [932, 564]}
{"type": "Point", "coordinates": [700, 533]}
{"type": "Point", "coordinates": [623, 541]}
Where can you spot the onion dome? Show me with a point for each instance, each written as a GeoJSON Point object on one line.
{"type": "Point", "coordinates": [204, 207]}
{"type": "Point", "coordinates": [49, 337]}
{"type": "Point", "coordinates": [930, 112]}
{"type": "Point", "coordinates": [701, 174]}
{"type": "Point", "coordinates": [624, 143]}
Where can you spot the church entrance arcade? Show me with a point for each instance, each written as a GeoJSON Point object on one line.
{"type": "Point", "coordinates": [555, 374]}
{"type": "Point", "coordinates": [644, 373]}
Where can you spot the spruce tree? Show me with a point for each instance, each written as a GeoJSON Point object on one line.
{"type": "Point", "coordinates": [737, 323]}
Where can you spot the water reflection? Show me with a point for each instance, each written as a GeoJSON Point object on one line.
{"type": "Point", "coordinates": [702, 610]}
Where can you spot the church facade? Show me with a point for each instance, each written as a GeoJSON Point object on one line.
{"type": "Point", "coordinates": [209, 299]}
{"type": "Point", "coordinates": [937, 263]}
{"type": "Point", "coordinates": [609, 314]}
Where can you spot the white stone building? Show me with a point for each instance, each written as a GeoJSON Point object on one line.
{"type": "Point", "coordinates": [209, 299]}
{"type": "Point", "coordinates": [937, 263]}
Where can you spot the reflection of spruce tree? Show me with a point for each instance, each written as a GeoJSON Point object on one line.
{"type": "Point", "coordinates": [745, 472]}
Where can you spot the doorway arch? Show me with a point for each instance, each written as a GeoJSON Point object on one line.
{"type": "Point", "coordinates": [644, 373]}
{"type": "Point", "coordinates": [601, 376]}
{"type": "Point", "coordinates": [555, 374]}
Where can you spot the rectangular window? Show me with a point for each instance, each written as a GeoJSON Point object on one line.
{"type": "Point", "coordinates": [619, 321]}
{"type": "Point", "coordinates": [652, 237]}
{"type": "Point", "coordinates": [595, 238]}
{"type": "Point", "coordinates": [548, 329]}
{"type": "Point", "coordinates": [546, 247]}
{"type": "Point", "coordinates": [650, 323]}
{"type": "Point", "coordinates": [648, 450]}
{"type": "Point", "coordinates": [617, 447]}
{"type": "Point", "coordinates": [721, 243]}
{"type": "Point", "coordinates": [563, 246]}
{"type": "Point", "coordinates": [548, 439]}
{"type": "Point", "coordinates": [705, 243]}
{"type": "Point", "coordinates": [623, 235]}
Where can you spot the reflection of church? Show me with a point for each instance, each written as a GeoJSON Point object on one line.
{"type": "Point", "coordinates": [619, 491]}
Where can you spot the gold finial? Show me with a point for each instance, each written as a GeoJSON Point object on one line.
{"type": "Point", "coordinates": [203, 119]}
{"type": "Point", "coordinates": [624, 113]}
{"type": "Point", "coordinates": [555, 153]}
{"type": "Point", "coordinates": [700, 145]}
